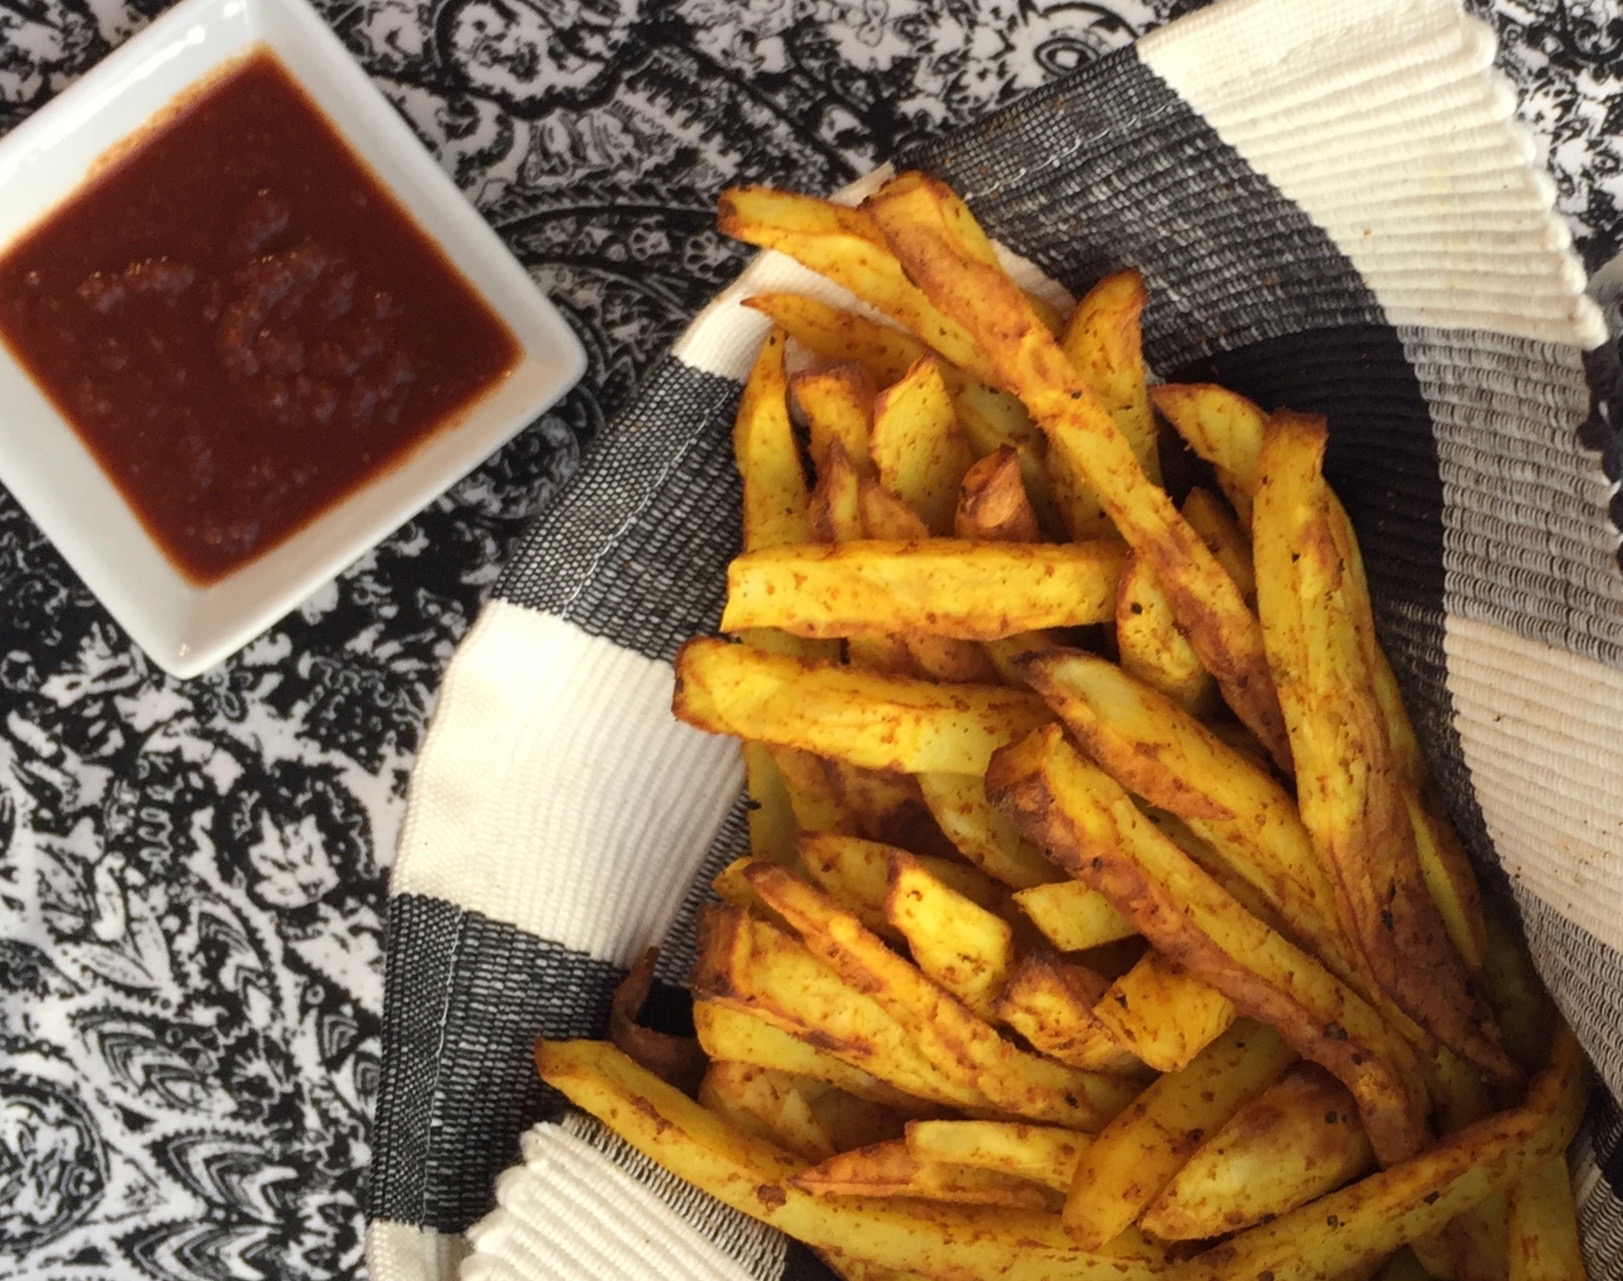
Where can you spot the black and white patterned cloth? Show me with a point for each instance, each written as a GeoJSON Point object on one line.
{"type": "Point", "coordinates": [193, 1024]}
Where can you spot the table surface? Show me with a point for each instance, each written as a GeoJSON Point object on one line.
{"type": "Point", "coordinates": [192, 873]}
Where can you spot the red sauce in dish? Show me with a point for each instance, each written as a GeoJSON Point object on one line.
{"type": "Point", "coordinates": [240, 322]}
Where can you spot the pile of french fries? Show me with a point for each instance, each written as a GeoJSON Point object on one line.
{"type": "Point", "coordinates": [1100, 918]}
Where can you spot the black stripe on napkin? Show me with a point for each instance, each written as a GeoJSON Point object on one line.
{"type": "Point", "coordinates": [1585, 976]}
{"type": "Point", "coordinates": [636, 548]}
{"type": "Point", "coordinates": [464, 999]}
{"type": "Point", "coordinates": [1600, 1213]}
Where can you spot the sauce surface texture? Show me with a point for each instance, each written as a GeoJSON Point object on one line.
{"type": "Point", "coordinates": [241, 323]}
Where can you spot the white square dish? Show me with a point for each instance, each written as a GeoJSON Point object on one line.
{"type": "Point", "coordinates": [186, 627]}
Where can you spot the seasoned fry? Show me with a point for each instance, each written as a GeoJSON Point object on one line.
{"type": "Point", "coordinates": [918, 448]}
{"type": "Point", "coordinates": [993, 505]}
{"type": "Point", "coordinates": [1090, 826]}
{"type": "Point", "coordinates": [856, 872]}
{"type": "Point", "coordinates": [1222, 427]}
{"type": "Point", "coordinates": [1544, 1226]}
{"type": "Point", "coordinates": [886, 805]}
{"type": "Point", "coordinates": [1151, 647]}
{"type": "Point", "coordinates": [893, 1169]}
{"type": "Point", "coordinates": [1364, 1222]}
{"type": "Point", "coordinates": [771, 815]}
{"type": "Point", "coordinates": [872, 720]}
{"type": "Point", "coordinates": [925, 225]}
{"type": "Point", "coordinates": [812, 798]}
{"type": "Point", "coordinates": [982, 835]}
{"type": "Point", "coordinates": [1161, 1014]}
{"type": "Point", "coordinates": [775, 498]}
{"type": "Point", "coordinates": [1135, 1156]}
{"type": "Point", "coordinates": [677, 1059]}
{"type": "Point", "coordinates": [1072, 916]}
{"type": "Point", "coordinates": [939, 586]}
{"type": "Point", "coordinates": [955, 941]}
{"type": "Point", "coordinates": [838, 402]}
{"type": "Point", "coordinates": [767, 1104]}
{"type": "Point", "coordinates": [1044, 1154]}
{"type": "Point", "coordinates": [1218, 529]}
{"type": "Point", "coordinates": [1052, 1004]}
{"type": "Point", "coordinates": [1103, 342]}
{"type": "Point", "coordinates": [837, 336]}
{"type": "Point", "coordinates": [1296, 1141]}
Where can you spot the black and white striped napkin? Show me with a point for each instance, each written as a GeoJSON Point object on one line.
{"type": "Point", "coordinates": [1333, 211]}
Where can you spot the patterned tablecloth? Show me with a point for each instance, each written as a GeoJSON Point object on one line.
{"type": "Point", "coordinates": [191, 873]}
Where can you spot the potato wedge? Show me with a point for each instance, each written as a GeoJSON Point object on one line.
{"type": "Point", "coordinates": [982, 835]}
{"type": "Point", "coordinates": [775, 497]}
{"type": "Point", "coordinates": [767, 1104]}
{"type": "Point", "coordinates": [1150, 646]}
{"type": "Point", "coordinates": [837, 336]}
{"type": "Point", "coordinates": [838, 403]}
{"type": "Point", "coordinates": [1367, 1220]}
{"type": "Point", "coordinates": [955, 941]}
{"type": "Point", "coordinates": [1072, 916]}
{"type": "Point", "coordinates": [1088, 825]}
{"type": "Point", "coordinates": [876, 721]}
{"type": "Point", "coordinates": [856, 873]}
{"type": "Point", "coordinates": [1104, 345]}
{"type": "Point", "coordinates": [992, 503]}
{"type": "Point", "coordinates": [919, 450]}
{"type": "Point", "coordinates": [1135, 1156]}
{"type": "Point", "coordinates": [1163, 1015]}
{"type": "Point", "coordinates": [1224, 428]}
{"type": "Point", "coordinates": [938, 586]}
{"type": "Point", "coordinates": [948, 1243]}
{"type": "Point", "coordinates": [893, 1170]}
{"type": "Point", "coordinates": [1297, 1140]}
{"type": "Point", "coordinates": [1045, 1154]}
{"type": "Point", "coordinates": [944, 1031]}
{"type": "Point", "coordinates": [1052, 1004]}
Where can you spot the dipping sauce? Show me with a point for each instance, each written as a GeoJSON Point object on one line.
{"type": "Point", "coordinates": [240, 322]}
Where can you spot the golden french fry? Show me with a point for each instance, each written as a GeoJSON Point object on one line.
{"type": "Point", "coordinates": [1104, 344]}
{"type": "Point", "coordinates": [1088, 825]}
{"type": "Point", "coordinates": [1045, 1154]}
{"type": "Point", "coordinates": [812, 798]}
{"type": "Point", "coordinates": [886, 805]}
{"type": "Point", "coordinates": [1163, 1015]}
{"type": "Point", "coordinates": [1135, 1156]}
{"type": "Point", "coordinates": [1369, 1219]}
{"type": "Point", "coordinates": [736, 1035]}
{"type": "Point", "coordinates": [893, 1170]}
{"type": "Point", "coordinates": [1052, 1004]}
{"type": "Point", "coordinates": [948, 1243]}
{"type": "Point", "coordinates": [1219, 530]}
{"type": "Point", "coordinates": [1296, 1141]}
{"type": "Point", "coordinates": [1072, 916]}
{"type": "Point", "coordinates": [838, 402]}
{"type": "Point", "coordinates": [775, 498]}
{"type": "Point", "coordinates": [856, 873]}
{"type": "Point", "coordinates": [771, 815]}
{"type": "Point", "coordinates": [955, 941]}
{"type": "Point", "coordinates": [1544, 1226]}
{"type": "Point", "coordinates": [918, 448]}
{"type": "Point", "coordinates": [1150, 645]}
{"type": "Point", "coordinates": [993, 505]}
{"type": "Point", "coordinates": [938, 586]}
{"type": "Point", "coordinates": [1349, 791]}
{"type": "Point", "coordinates": [925, 227]}
{"type": "Point", "coordinates": [838, 336]}
{"type": "Point", "coordinates": [876, 721]}
{"type": "Point", "coordinates": [767, 1104]}
{"type": "Point", "coordinates": [982, 835]}
{"type": "Point", "coordinates": [960, 1045]}
{"type": "Point", "coordinates": [1222, 427]}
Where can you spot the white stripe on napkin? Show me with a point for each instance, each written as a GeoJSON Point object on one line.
{"type": "Point", "coordinates": [1301, 89]}
{"type": "Point", "coordinates": [555, 791]}
{"type": "Point", "coordinates": [403, 1252]}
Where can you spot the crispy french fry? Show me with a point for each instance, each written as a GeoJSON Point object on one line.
{"type": "Point", "coordinates": [1088, 825]}
{"type": "Point", "coordinates": [1297, 1140]}
{"type": "Point", "coordinates": [892, 1169]}
{"type": "Point", "coordinates": [1150, 645]}
{"type": "Point", "coordinates": [944, 1030]}
{"type": "Point", "coordinates": [838, 402]}
{"type": "Point", "coordinates": [1161, 1014]}
{"type": "Point", "coordinates": [1104, 344]}
{"type": "Point", "coordinates": [775, 498]}
{"type": "Point", "coordinates": [872, 720]}
{"type": "Point", "coordinates": [771, 815]}
{"type": "Point", "coordinates": [1072, 916]}
{"type": "Point", "coordinates": [887, 806]}
{"type": "Point", "coordinates": [813, 800]}
{"type": "Point", "coordinates": [1044, 1154]}
{"type": "Point", "coordinates": [1369, 1219]}
{"type": "Point", "coordinates": [1544, 1226]}
{"type": "Point", "coordinates": [918, 448]}
{"type": "Point", "coordinates": [948, 1243]}
{"type": "Point", "coordinates": [1350, 793]}
{"type": "Point", "coordinates": [955, 941]}
{"type": "Point", "coordinates": [993, 504]}
{"type": "Point", "coordinates": [768, 1104]}
{"type": "Point", "coordinates": [856, 872]}
{"type": "Point", "coordinates": [1222, 427]}
{"type": "Point", "coordinates": [838, 336]}
{"type": "Point", "coordinates": [925, 225]}
{"type": "Point", "coordinates": [1052, 1004]}
{"type": "Point", "coordinates": [1219, 530]}
{"type": "Point", "coordinates": [1135, 1156]}
{"type": "Point", "coordinates": [939, 586]}
{"type": "Point", "coordinates": [982, 835]}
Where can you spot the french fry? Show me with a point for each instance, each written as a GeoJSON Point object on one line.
{"type": "Point", "coordinates": [993, 504]}
{"type": "Point", "coordinates": [1219, 530]}
{"type": "Point", "coordinates": [1350, 793]}
{"type": "Point", "coordinates": [1150, 645]}
{"type": "Point", "coordinates": [1072, 916]}
{"type": "Point", "coordinates": [941, 587]}
{"type": "Point", "coordinates": [1135, 1156]}
{"type": "Point", "coordinates": [1052, 1004]}
{"type": "Point", "coordinates": [944, 1030]}
{"type": "Point", "coordinates": [1044, 1154]}
{"type": "Point", "coordinates": [893, 1170]}
{"type": "Point", "coordinates": [1297, 1140]}
{"type": "Point", "coordinates": [856, 873]}
{"type": "Point", "coordinates": [887, 806]}
{"type": "Point", "coordinates": [982, 835]}
{"type": "Point", "coordinates": [1162, 1015]}
{"type": "Point", "coordinates": [918, 448]}
{"type": "Point", "coordinates": [955, 941]}
{"type": "Point", "coordinates": [838, 402]}
{"type": "Point", "coordinates": [775, 498]}
{"type": "Point", "coordinates": [768, 1104]}
{"type": "Point", "coordinates": [1088, 825]}
{"type": "Point", "coordinates": [1369, 1219]}
{"type": "Point", "coordinates": [1544, 1226]}
{"type": "Point", "coordinates": [771, 814]}
{"type": "Point", "coordinates": [812, 798]}
{"type": "Point", "coordinates": [876, 721]}
{"type": "Point", "coordinates": [1222, 427]}
{"type": "Point", "coordinates": [926, 227]}
{"type": "Point", "coordinates": [947, 1243]}
{"type": "Point", "coordinates": [1103, 342]}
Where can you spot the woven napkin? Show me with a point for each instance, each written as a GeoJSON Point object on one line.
{"type": "Point", "coordinates": [1333, 211]}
